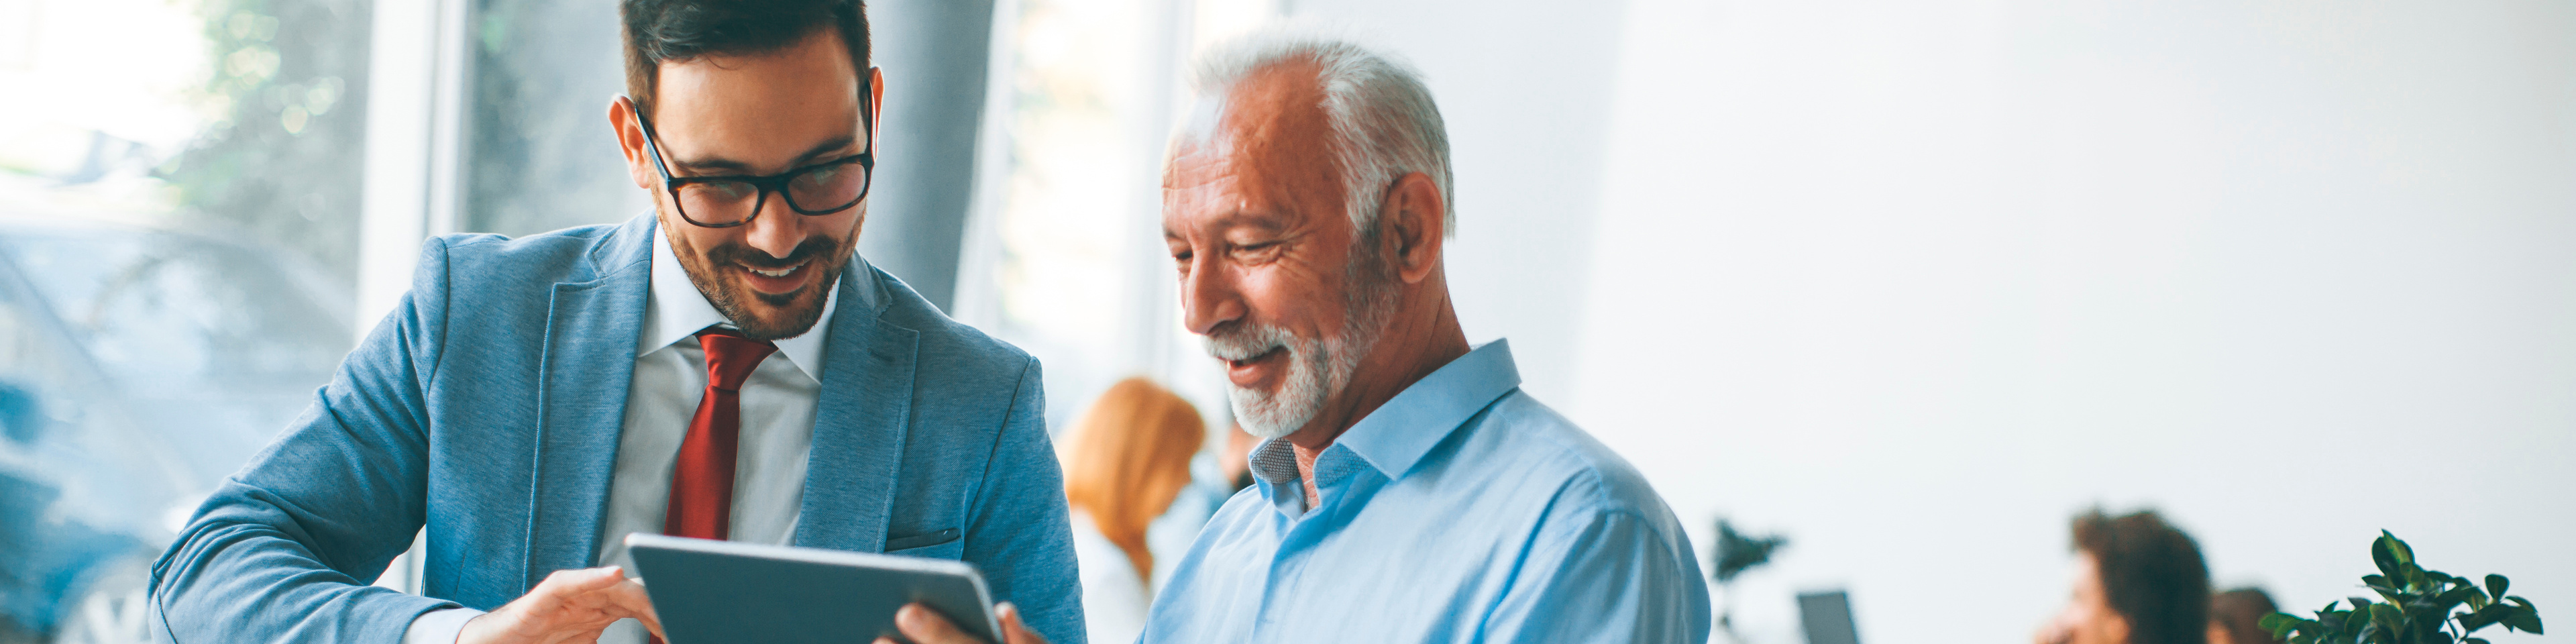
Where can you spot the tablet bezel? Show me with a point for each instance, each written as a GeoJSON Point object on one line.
{"type": "Point", "coordinates": [862, 561]}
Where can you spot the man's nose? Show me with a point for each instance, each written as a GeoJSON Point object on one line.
{"type": "Point", "coordinates": [778, 229]}
{"type": "Point", "coordinates": [1210, 295]}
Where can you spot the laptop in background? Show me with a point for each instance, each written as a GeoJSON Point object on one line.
{"type": "Point", "coordinates": [1828, 618]}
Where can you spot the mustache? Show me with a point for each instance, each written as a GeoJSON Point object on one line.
{"type": "Point", "coordinates": [1245, 340]}
{"type": "Point", "coordinates": [814, 247]}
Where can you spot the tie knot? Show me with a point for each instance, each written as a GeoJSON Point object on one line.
{"type": "Point", "coordinates": [731, 357]}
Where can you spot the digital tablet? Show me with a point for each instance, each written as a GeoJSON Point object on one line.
{"type": "Point", "coordinates": [721, 592]}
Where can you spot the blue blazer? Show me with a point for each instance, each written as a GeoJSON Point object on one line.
{"type": "Point", "coordinates": [487, 406]}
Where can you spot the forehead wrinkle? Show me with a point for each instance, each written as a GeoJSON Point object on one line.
{"type": "Point", "coordinates": [1256, 155]}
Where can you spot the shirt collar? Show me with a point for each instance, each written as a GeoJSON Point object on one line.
{"type": "Point", "coordinates": [1396, 436]}
{"type": "Point", "coordinates": [675, 311]}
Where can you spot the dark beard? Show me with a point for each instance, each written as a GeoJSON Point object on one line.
{"type": "Point", "coordinates": [829, 258]}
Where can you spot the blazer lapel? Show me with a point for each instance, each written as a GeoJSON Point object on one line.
{"type": "Point", "coordinates": [589, 359]}
{"type": "Point", "coordinates": [860, 422]}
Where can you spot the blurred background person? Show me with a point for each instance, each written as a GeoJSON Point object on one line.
{"type": "Point", "coordinates": [1125, 461]}
{"type": "Point", "coordinates": [2236, 617]}
{"type": "Point", "coordinates": [1236, 461]}
{"type": "Point", "coordinates": [2137, 580]}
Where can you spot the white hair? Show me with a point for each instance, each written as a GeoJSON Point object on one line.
{"type": "Point", "coordinates": [1384, 124]}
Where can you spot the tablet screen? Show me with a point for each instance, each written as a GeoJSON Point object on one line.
{"type": "Point", "coordinates": [720, 592]}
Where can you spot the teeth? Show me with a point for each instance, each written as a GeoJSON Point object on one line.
{"type": "Point", "coordinates": [776, 273]}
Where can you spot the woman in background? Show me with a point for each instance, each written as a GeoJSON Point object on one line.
{"type": "Point", "coordinates": [2236, 617]}
{"type": "Point", "coordinates": [1125, 460]}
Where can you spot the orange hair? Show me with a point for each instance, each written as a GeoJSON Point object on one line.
{"type": "Point", "coordinates": [1127, 458]}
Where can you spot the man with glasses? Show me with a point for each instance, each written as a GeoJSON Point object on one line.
{"type": "Point", "coordinates": [725, 367]}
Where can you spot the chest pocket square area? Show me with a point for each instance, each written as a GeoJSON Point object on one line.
{"type": "Point", "coordinates": [924, 540]}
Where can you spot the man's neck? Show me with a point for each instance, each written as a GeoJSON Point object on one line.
{"type": "Point", "coordinates": [1412, 348]}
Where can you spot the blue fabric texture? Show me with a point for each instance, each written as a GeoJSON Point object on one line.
{"type": "Point", "coordinates": [1461, 511]}
{"type": "Point", "coordinates": [487, 407]}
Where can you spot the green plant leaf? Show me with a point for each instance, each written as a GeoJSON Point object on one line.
{"type": "Point", "coordinates": [2524, 617]}
{"type": "Point", "coordinates": [2493, 615]}
{"type": "Point", "coordinates": [2473, 640]}
{"type": "Point", "coordinates": [2332, 622]}
{"type": "Point", "coordinates": [2339, 625]}
{"type": "Point", "coordinates": [2496, 585]}
{"type": "Point", "coordinates": [2387, 616]}
{"type": "Point", "coordinates": [2478, 599]}
{"type": "Point", "coordinates": [2281, 624]}
{"type": "Point", "coordinates": [2274, 621]}
{"type": "Point", "coordinates": [2455, 596]}
{"type": "Point", "coordinates": [2525, 622]}
{"type": "Point", "coordinates": [2384, 555]}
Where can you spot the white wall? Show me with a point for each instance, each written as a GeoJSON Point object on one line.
{"type": "Point", "coordinates": [1915, 282]}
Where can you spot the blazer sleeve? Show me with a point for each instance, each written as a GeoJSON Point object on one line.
{"type": "Point", "coordinates": [1020, 534]}
{"type": "Point", "coordinates": [284, 549]}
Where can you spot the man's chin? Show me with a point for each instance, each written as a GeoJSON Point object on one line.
{"type": "Point", "coordinates": [778, 316]}
{"type": "Point", "coordinates": [1262, 414]}
{"type": "Point", "coordinates": [778, 300]}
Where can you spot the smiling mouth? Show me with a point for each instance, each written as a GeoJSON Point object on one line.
{"type": "Point", "coordinates": [1238, 364]}
{"type": "Point", "coordinates": [780, 272]}
{"type": "Point", "coordinates": [775, 282]}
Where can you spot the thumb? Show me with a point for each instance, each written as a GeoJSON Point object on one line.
{"type": "Point", "coordinates": [1013, 630]}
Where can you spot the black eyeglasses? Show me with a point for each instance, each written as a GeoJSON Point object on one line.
{"type": "Point", "coordinates": [733, 200]}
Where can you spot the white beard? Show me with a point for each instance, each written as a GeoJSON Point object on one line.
{"type": "Point", "coordinates": [1318, 369]}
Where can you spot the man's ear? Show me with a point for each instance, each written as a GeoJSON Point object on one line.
{"type": "Point", "coordinates": [630, 142]}
{"type": "Point", "coordinates": [1414, 222]}
{"type": "Point", "coordinates": [876, 104]}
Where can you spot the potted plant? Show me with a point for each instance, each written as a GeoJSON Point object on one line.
{"type": "Point", "coordinates": [1735, 553]}
{"type": "Point", "coordinates": [2417, 607]}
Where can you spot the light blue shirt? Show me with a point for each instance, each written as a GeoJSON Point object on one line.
{"type": "Point", "coordinates": [1461, 511]}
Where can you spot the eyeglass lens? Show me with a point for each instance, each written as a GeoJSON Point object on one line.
{"type": "Point", "coordinates": [816, 190]}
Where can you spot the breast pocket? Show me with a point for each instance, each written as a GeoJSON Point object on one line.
{"type": "Point", "coordinates": [936, 544]}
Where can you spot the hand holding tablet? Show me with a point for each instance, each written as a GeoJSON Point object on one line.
{"type": "Point", "coordinates": [570, 605]}
{"type": "Point", "coordinates": [716, 592]}
{"type": "Point", "coordinates": [925, 626]}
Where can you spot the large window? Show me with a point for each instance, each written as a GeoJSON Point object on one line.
{"type": "Point", "coordinates": [201, 201]}
{"type": "Point", "coordinates": [179, 193]}
{"type": "Point", "coordinates": [1070, 264]}
{"type": "Point", "coordinates": [539, 152]}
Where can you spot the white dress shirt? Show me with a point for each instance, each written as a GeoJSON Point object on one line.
{"type": "Point", "coordinates": [670, 377]}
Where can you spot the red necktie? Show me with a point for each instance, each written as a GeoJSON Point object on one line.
{"type": "Point", "coordinates": [702, 480]}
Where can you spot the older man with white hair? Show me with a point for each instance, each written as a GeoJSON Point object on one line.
{"type": "Point", "coordinates": [1409, 490]}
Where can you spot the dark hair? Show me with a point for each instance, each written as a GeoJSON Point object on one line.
{"type": "Point", "coordinates": [2240, 612]}
{"type": "Point", "coordinates": [680, 30]}
{"type": "Point", "coordinates": [2152, 574]}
